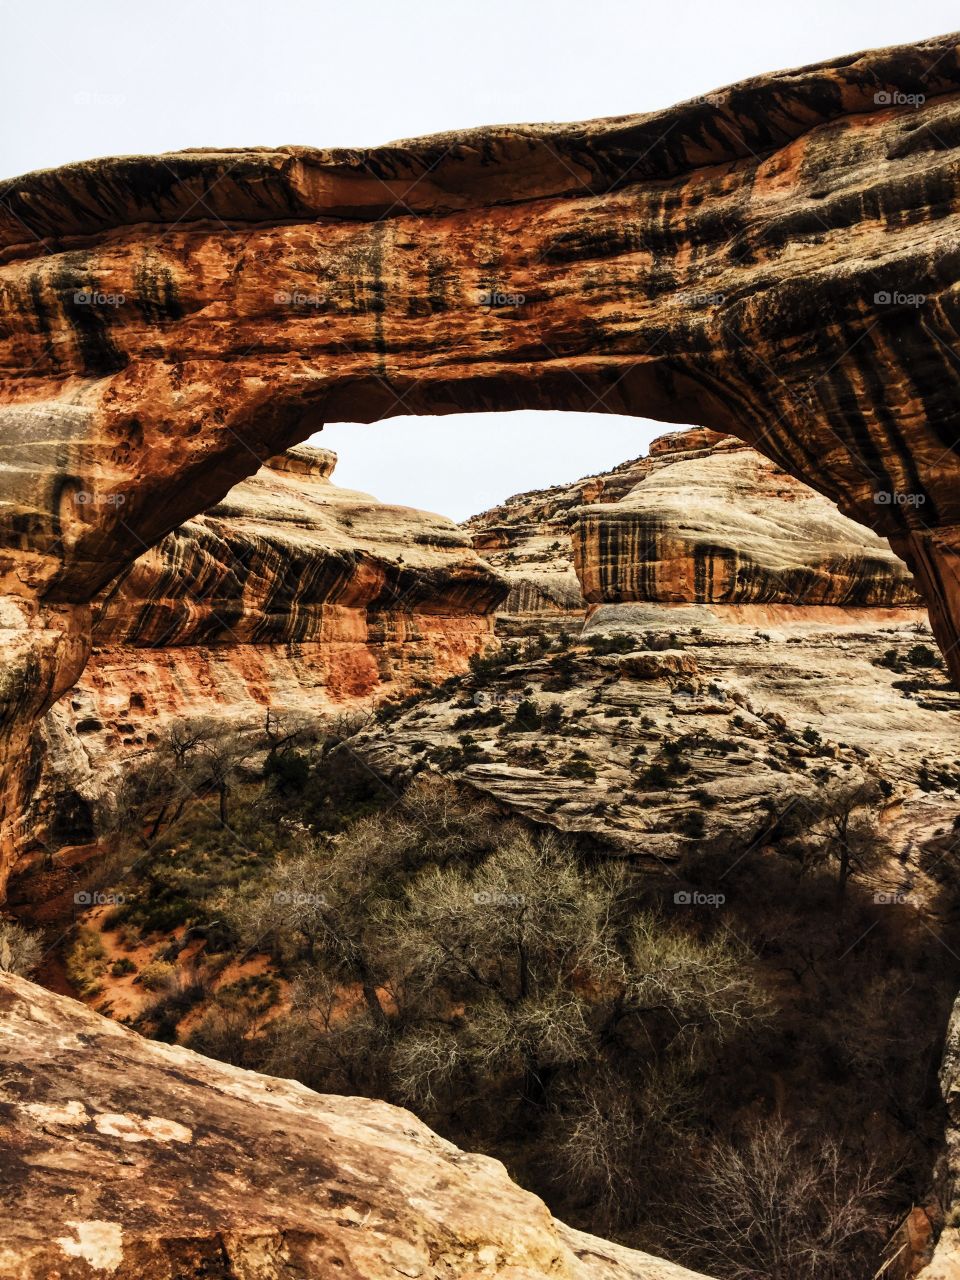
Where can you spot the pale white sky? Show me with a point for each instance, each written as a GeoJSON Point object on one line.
{"type": "Point", "coordinates": [88, 78]}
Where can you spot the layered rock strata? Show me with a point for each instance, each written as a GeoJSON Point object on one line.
{"type": "Point", "coordinates": [777, 260]}
{"type": "Point", "coordinates": [126, 1158]}
{"type": "Point", "coordinates": [291, 594]}
{"type": "Point", "coordinates": [724, 525]}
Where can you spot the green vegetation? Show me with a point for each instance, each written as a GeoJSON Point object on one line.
{"type": "Point", "coordinates": [616, 642]}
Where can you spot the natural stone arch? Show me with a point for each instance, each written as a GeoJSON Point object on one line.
{"type": "Point", "coordinates": [751, 261]}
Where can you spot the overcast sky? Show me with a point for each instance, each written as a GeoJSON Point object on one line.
{"type": "Point", "coordinates": [87, 78]}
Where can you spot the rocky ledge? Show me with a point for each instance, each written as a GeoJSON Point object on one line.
{"type": "Point", "coordinates": [761, 704]}
{"type": "Point", "coordinates": [127, 1159]}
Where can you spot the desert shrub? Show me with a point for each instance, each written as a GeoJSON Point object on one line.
{"type": "Point", "coordinates": [921, 655]}
{"type": "Point", "coordinates": [616, 642]}
{"type": "Point", "coordinates": [531, 1001]}
{"type": "Point", "coordinates": [21, 950]}
{"type": "Point", "coordinates": [224, 1032]}
{"type": "Point", "coordinates": [692, 824]}
{"type": "Point", "coordinates": [581, 769]}
{"type": "Point", "coordinates": [655, 775]}
{"type": "Point", "coordinates": [157, 974]}
{"type": "Point", "coordinates": [484, 666]}
{"type": "Point", "coordinates": [552, 717]}
{"type": "Point", "coordinates": [86, 962]}
{"type": "Point", "coordinates": [563, 672]}
{"type": "Point", "coordinates": [526, 717]}
{"type": "Point", "coordinates": [176, 993]}
{"type": "Point", "coordinates": [482, 718]}
{"type": "Point", "coordinates": [288, 772]}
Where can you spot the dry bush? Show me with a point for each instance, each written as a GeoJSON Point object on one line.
{"type": "Point", "coordinates": [776, 1207]}
{"type": "Point", "coordinates": [20, 949]}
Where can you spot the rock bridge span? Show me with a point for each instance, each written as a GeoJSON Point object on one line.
{"type": "Point", "coordinates": [778, 260]}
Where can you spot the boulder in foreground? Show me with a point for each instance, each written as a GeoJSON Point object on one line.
{"type": "Point", "coordinates": [124, 1158]}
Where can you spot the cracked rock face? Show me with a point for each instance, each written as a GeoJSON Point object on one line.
{"type": "Point", "coordinates": [127, 1159]}
{"type": "Point", "coordinates": [777, 260]}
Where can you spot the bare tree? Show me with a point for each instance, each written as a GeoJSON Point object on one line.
{"type": "Point", "coordinates": [776, 1208]}
{"type": "Point", "coordinates": [848, 825]}
{"type": "Point", "coordinates": [220, 753]}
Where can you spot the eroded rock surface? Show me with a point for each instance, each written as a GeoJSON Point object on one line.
{"type": "Point", "coordinates": [759, 703]}
{"type": "Point", "coordinates": [291, 594]}
{"type": "Point", "coordinates": [777, 260]}
{"type": "Point", "coordinates": [125, 1158]}
{"type": "Point", "coordinates": [702, 517]}
{"type": "Point", "coordinates": [728, 526]}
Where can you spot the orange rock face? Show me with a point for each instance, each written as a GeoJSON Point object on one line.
{"type": "Point", "coordinates": [292, 594]}
{"type": "Point", "coordinates": [777, 260]}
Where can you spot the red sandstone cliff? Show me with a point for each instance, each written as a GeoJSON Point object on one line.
{"type": "Point", "coordinates": [291, 594]}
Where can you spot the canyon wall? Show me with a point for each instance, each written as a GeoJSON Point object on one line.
{"type": "Point", "coordinates": [291, 594]}
{"type": "Point", "coordinates": [727, 526]}
{"type": "Point", "coordinates": [777, 260]}
{"type": "Point", "coordinates": [724, 525]}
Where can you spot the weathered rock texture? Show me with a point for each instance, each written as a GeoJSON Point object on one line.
{"type": "Point", "coordinates": [703, 517]}
{"type": "Point", "coordinates": [529, 538]}
{"type": "Point", "coordinates": [752, 261]}
{"type": "Point", "coordinates": [724, 525]}
{"type": "Point", "coordinates": [126, 1158]}
{"type": "Point", "coordinates": [734, 689]}
{"type": "Point", "coordinates": [292, 594]}
{"type": "Point", "coordinates": [760, 614]}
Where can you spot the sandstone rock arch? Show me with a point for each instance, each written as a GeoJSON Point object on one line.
{"type": "Point", "coordinates": [778, 260]}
